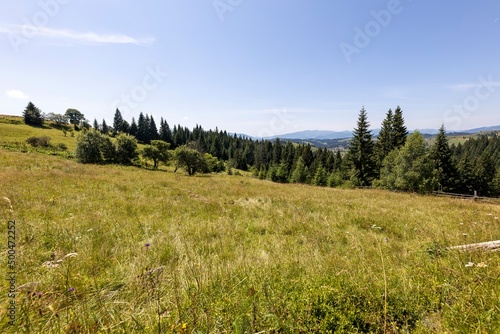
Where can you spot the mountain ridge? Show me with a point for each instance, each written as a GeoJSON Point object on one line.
{"type": "Point", "coordinates": [325, 134]}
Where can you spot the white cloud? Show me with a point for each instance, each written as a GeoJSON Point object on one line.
{"type": "Point", "coordinates": [29, 31]}
{"type": "Point", "coordinates": [16, 94]}
{"type": "Point", "coordinates": [468, 86]}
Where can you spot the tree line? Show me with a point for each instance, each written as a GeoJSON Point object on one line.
{"type": "Point", "coordinates": [394, 159]}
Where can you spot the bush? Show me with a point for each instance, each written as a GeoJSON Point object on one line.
{"type": "Point", "coordinates": [39, 141]}
{"type": "Point", "coordinates": [61, 146]}
{"type": "Point", "coordinates": [88, 147]}
{"type": "Point", "coordinates": [126, 149]}
{"type": "Point", "coordinates": [190, 160]}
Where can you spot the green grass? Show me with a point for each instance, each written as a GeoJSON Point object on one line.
{"type": "Point", "coordinates": [234, 254]}
{"type": "Point", "coordinates": [13, 134]}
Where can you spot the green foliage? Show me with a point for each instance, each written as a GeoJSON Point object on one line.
{"type": "Point", "coordinates": [39, 141]}
{"type": "Point", "coordinates": [88, 147]}
{"type": "Point", "coordinates": [190, 160]}
{"type": "Point", "coordinates": [105, 128]}
{"type": "Point", "coordinates": [108, 149]}
{"type": "Point", "coordinates": [32, 115]}
{"type": "Point", "coordinates": [409, 168]}
{"type": "Point", "coordinates": [300, 172]}
{"type": "Point", "coordinates": [126, 149]}
{"type": "Point", "coordinates": [226, 254]}
{"type": "Point", "coordinates": [400, 132]}
{"type": "Point", "coordinates": [281, 173]}
{"type": "Point", "coordinates": [385, 139]}
{"type": "Point", "coordinates": [75, 116]}
{"type": "Point", "coordinates": [157, 151]}
{"type": "Point", "coordinates": [117, 122]}
{"type": "Point", "coordinates": [214, 165]}
{"type": "Point", "coordinates": [361, 152]}
{"type": "Point", "coordinates": [58, 119]}
{"type": "Point", "coordinates": [320, 177]}
{"type": "Point", "coordinates": [443, 162]}
{"type": "Point", "coordinates": [335, 179]}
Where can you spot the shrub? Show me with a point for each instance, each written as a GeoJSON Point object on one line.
{"type": "Point", "coordinates": [88, 147]}
{"type": "Point", "coordinates": [61, 146]}
{"type": "Point", "coordinates": [126, 149]}
{"type": "Point", "coordinates": [43, 141]}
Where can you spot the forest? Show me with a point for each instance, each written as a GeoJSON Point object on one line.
{"type": "Point", "coordinates": [395, 159]}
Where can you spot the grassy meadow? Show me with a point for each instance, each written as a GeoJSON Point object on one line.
{"type": "Point", "coordinates": [113, 249]}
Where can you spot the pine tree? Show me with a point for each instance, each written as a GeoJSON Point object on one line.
{"type": "Point", "coordinates": [117, 121]}
{"type": "Point", "coordinates": [361, 152]}
{"type": "Point", "coordinates": [400, 132]}
{"type": "Point", "coordinates": [133, 128]}
{"type": "Point", "coordinates": [166, 133]}
{"type": "Point", "coordinates": [384, 143]}
{"type": "Point", "coordinates": [153, 130]}
{"type": "Point", "coordinates": [105, 128]}
{"type": "Point", "coordinates": [125, 127]}
{"type": "Point", "coordinates": [142, 129]}
{"type": "Point", "coordinates": [320, 177]}
{"type": "Point", "coordinates": [32, 115]}
{"type": "Point", "coordinates": [299, 174]}
{"type": "Point", "coordinates": [96, 125]}
{"type": "Point", "coordinates": [443, 162]}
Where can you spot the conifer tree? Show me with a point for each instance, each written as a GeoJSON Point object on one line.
{"type": "Point", "coordinates": [142, 129]}
{"type": "Point", "coordinates": [399, 130]}
{"type": "Point", "coordinates": [320, 177]}
{"type": "Point", "coordinates": [165, 132]}
{"type": "Point", "coordinates": [105, 127]}
{"type": "Point", "coordinates": [443, 162]}
{"type": "Point", "coordinates": [153, 130]}
{"type": "Point", "coordinates": [384, 143]}
{"type": "Point", "coordinates": [96, 125]}
{"type": "Point", "coordinates": [361, 152]}
{"type": "Point", "coordinates": [299, 174]}
{"type": "Point", "coordinates": [133, 128]}
{"type": "Point", "coordinates": [32, 115]}
{"type": "Point", "coordinates": [117, 121]}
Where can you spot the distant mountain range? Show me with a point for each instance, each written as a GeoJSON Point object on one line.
{"type": "Point", "coordinates": [325, 135]}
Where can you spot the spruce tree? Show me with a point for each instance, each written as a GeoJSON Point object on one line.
{"type": "Point", "coordinates": [117, 121]}
{"type": "Point", "coordinates": [361, 152]}
{"type": "Point", "coordinates": [32, 115]}
{"type": "Point", "coordinates": [142, 129]}
{"type": "Point", "coordinates": [105, 127]}
{"type": "Point", "coordinates": [166, 133]}
{"type": "Point", "coordinates": [153, 130]}
{"type": "Point", "coordinates": [443, 162]}
{"type": "Point", "coordinates": [320, 177]}
{"type": "Point", "coordinates": [399, 130]}
{"type": "Point", "coordinates": [384, 143]}
{"type": "Point", "coordinates": [133, 128]}
{"type": "Point", "coordinates": [299, 174]}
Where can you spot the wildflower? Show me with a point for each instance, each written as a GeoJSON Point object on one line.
{"type": "Point", "coordinates": [470, 264]}
{"type": "Point", "coordinates": [481, 265]}
{"type": "Point", "coordinates": [147, 245]}
{"type": "Point", "coordinates": [71, 289]}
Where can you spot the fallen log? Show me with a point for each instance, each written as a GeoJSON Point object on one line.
{"type": "Point", "coordinates": [488, 245]}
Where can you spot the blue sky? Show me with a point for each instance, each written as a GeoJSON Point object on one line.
{"type": "Point", "coordinates": [258, 67]}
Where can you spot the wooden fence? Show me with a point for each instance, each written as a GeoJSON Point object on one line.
{"type": "Point", "coordinates": [465, 196]}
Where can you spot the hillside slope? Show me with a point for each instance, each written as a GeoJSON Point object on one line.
{"type": "Point", "coordinates": [161, 251]}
